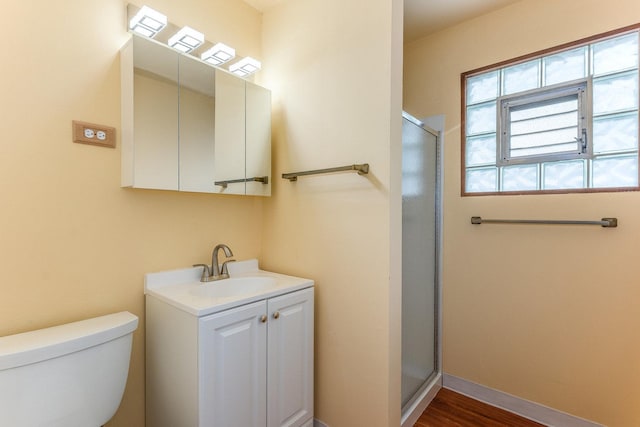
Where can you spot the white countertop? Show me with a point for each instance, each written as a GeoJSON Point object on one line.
{"type": "Point", "coordinates": [179, 287]}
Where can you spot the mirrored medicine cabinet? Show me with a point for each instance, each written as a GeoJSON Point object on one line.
{"type": "Point", "coordinates": [188, 126]}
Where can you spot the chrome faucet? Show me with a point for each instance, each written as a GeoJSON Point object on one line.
{"type": "Point", "coordinates": [215, 272]}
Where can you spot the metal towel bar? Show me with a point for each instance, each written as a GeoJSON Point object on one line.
{"type": "Point", "coordinates": [362, 169]}
{"type": "Point", "coordinates": [262, 179]}
{"type": "Point", "coordinates": [605, 222]}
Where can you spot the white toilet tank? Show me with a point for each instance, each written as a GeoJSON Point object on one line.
{"type": "Point", "coordinates": [71, 375]}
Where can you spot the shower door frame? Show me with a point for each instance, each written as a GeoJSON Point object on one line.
{"type": "Point", "coordinates": [421, 399]}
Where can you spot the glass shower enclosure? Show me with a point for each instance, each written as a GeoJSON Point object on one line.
{"type": "Point", "coordinates": [421, 243]}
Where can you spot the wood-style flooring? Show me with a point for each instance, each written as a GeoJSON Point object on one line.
{"type": "Point", "coordinates": [449, 408]}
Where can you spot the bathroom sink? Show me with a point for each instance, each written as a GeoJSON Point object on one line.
{"type": "Point", "coordinates": [234, 286]}
{"type": "Point", "coordinates": [183, 289]}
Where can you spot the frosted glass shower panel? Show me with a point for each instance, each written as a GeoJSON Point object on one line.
{"type": "Point", "coordinates": [419, 243]}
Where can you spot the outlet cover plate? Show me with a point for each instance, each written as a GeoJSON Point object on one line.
{"type": "Point", "coordinates": [80, 134]}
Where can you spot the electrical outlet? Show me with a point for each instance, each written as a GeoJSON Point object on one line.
{"type": "Point", "coordinates": [89, 133]}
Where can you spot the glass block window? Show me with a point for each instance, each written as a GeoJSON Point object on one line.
{"type": "Point", "coordinates": [566, 120]}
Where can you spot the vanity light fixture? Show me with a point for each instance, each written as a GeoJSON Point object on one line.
{"type": "Point", "coordinates": [218, 54]}
{"type": "Point", "coordinates": [148, 22]}
{"type": "Point", "coordinates": [245, 67]}
{"type": "Point", "coordinates": [186, 39]}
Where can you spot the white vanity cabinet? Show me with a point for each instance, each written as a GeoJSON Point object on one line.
{"type": "Point", "coordinates": [245, 365]}
{"type": "Point", "coordinates": [257, 365]}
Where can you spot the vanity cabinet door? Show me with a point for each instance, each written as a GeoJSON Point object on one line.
{"type": "Point", "coordinates": [232, 364]}
{"type": "Point", "coordinates": [290, 359]}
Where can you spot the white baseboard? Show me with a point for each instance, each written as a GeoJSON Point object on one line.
{"type": "Point", "coordinates": [318, 423]}
{"type": "Point", "coordinates": [525, 408]}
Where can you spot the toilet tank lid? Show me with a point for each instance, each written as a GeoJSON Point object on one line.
{"type": "Point", "coordinates": [42, 344]}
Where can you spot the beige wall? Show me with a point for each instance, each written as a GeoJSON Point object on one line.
{"type": "Point", "coordinates": [73, 244]}
{"type": "Point", "coordinates": [335, 76]}
{"type": "Point", "coordinates": [549, 314]}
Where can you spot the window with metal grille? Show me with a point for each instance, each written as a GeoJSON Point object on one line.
{"type": "Point", "coordinates": [566, 120]}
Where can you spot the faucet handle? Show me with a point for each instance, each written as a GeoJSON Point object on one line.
{"type": "Point", "coordinates": [225, 269]}
{"type": "Point", "coordinates": [205, 272]}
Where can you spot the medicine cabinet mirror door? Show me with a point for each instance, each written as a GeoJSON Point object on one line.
{"type": "Point", "coordinates": [243, 136]}
{"type": "Point", "coordinates": [151, 163]}
{"type": "Point", "coordinates": [230, 134]}
{"type": "Point", "coordinates": [258, 139]}
{"type": "Point", "coordinates": [197, 123]}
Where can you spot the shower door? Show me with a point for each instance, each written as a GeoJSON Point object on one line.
{"type": "Point", "coordinates": [420, 251]}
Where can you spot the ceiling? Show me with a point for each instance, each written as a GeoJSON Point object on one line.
{"type": "Point", "coordinates": [422, 17]}
{"type": "Point", "coordinates": [263, 5]}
